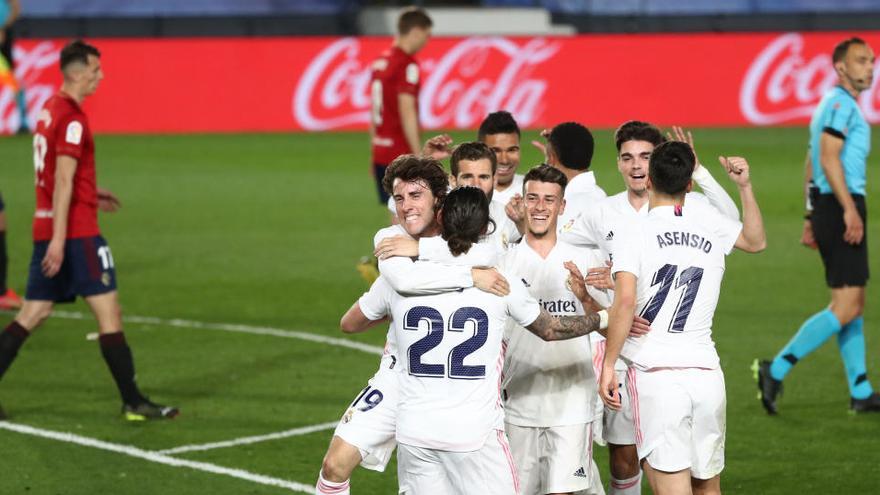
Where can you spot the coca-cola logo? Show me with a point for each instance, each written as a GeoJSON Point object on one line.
{"type": "Point", "coordinates": [31, 72]}
{"type": "Point", "coordinates": [785, 84]}
{"type": "Point", "coordinates": [472, 78]}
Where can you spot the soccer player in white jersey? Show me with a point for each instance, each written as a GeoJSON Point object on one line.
{"type": "Point", "coordinates": [450, 427]}
{"type": "Point", "coordinates": [472, 164]}
{"type": "Point", "coordinates": [366, 433]}
{"type": "Point", "coordinates": [668, 268]}
{"type": "Point", "coordinates": [500, 132]}
{"type": "Point", "coordinates": [635, 141]}
{"type": "Point", "coordinates": [548, 386]}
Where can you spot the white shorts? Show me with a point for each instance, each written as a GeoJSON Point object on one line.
{"type": "Point", "coordinates": [618, 427]}
{"type": "Point", "coordinates": [371, 420]}
{"type": "Point", "coordinates": [488, 471]}
{"type": "Point", "coordinates": [552, 460]}
{"type": "Point", "coordinates": [680, 419]}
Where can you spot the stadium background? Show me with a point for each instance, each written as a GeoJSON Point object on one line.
{"type": "Point", "coordinates": [233, 133]}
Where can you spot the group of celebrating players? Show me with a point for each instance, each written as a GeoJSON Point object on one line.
{"type": "Point", "coordinates": [530, 315]}
{"type": "Point", "coordinates": [499, 347]}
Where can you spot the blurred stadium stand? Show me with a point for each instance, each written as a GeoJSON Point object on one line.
{"type": "Point", "coordinates": [66, 18]}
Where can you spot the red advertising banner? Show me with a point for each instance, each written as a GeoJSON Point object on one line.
{"type": "Point", "coordinates": [287, 84]}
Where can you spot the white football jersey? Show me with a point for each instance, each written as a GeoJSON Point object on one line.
{"type": "Point", "coordinates": [515, 187]}
{"type": "Point", "coordinates": [505, 233]}
{"type": "Point", "coordinates": [450, 363]}
{"type": "Point", "coordinates": [375, 304]}
{"type": "Point", "coordinates": [547, 383]}
{"type": "Point", "coordinates": [677, 255]}
{"type": "Point", "coordinates": [582, 194]}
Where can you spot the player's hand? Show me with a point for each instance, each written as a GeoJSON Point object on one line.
{"type": "Point", "coordinates": [489, 280]}
{"type": "Point", "coordinates": [737, 169]}
{"type": "Point", "coordinates": [679, 134]}
{"type": "Point", "coordinates": [515, 209]}
{"type": "Point", "coordinates": [855, 228]}
{"type": "Point", "coordinates": [542, 147]}
{"type": "Point", "coordinates": [397, 246]}
{"type": "Point", "coordinates": [600, 276]}
{"type": "Point", "coordinates": [639, 327]}
{"type": "Point", "coordinates": [107, 201]}
{"type": "Point", "coordinates": [807, 238]}
{"type": "Point", "coordinates": [438, 147]}
{"type": "Point", "coordinates": [53, 259]}
{"type": "Point", "coordinates": [609, 387]}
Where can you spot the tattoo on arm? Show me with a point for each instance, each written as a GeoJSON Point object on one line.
{"type": "Point", "coordinates": [550, 327]}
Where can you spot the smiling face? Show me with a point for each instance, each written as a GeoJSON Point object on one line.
{"type": "Point", "coordinates": [506, 149]}
{"type": "Point", "coordinates": [415, 204]}
{"type": "Point", "coordinates": [632, 161]}
{"type": "Point", "coordinates": [544, 203]}
{"type": "Point", "coordinates": [475, 173]}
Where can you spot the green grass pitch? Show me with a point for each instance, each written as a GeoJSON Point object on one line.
{"type": "Point", "coordinates": [264, 230]}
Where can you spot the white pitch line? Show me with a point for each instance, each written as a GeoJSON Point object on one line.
{"type": "Point", "coordinates": [237, 328]}
{"type": "Point", "coordinates": [305, 430]}
{"type": "Point", "coordinates": [156, 457]}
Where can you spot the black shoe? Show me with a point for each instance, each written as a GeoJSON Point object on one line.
{"type": "Point", "coordinates": [148, 410]}
{"type": "Point", "coordinates": [869, 404]}
{"type": "Point", "coordinates": [768, 387]}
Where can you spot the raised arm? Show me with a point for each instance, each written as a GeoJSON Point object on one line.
{"type": "Point", "coordinates": [753, 238]}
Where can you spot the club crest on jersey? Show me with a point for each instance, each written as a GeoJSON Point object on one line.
{"type": "Point", "coordinates": [106, 279]}
{"type": "Point", "coordinates": [347, 416]}
{"type": "Point", "coordinates": [74, 133]}
{"type": "Point", "coordinates": [568, 225]}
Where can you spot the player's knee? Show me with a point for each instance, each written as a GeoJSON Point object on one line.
{"type": "Point", "coordinates": [335, 468]}
{"type": "Point", "coordinates": [624, 464]}
{"type": "Point", "coordinates": [32, 316]}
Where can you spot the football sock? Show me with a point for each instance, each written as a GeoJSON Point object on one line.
{"type": "Point", "coordinates": [630, 486]}
{"type": "Point", "coordinates": [11, 340]}
{"type": "Point", "coordinates": [812, 334]}
{"type": "Point", "coordinates": [851, 341]}
{"type": "Point", "coordinates": [4, 261]}
{"type": "Point", "coordinates": [22, 108]}
{"type": "Point", "coordinates": [325, 487]}
{"type": "Point", "coordinates": [119, 359]}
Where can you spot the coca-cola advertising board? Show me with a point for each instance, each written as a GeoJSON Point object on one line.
{"type": "Point", "coordinates": [320, 84]}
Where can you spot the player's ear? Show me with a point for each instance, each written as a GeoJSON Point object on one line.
{"type": "Point", "coordinates": [452, 182]}
{"type": "Point", "coordinates": [690, 185]}
{"type": "Point", "coordinates": [840, 68]}
{"type": "Point", "coordinates": [561, 207]}
{"type": "Point", "coordinates": [648, 184]}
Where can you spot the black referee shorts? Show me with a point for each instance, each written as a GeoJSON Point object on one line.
{"type": "Point", "coordinates": [845, 264]}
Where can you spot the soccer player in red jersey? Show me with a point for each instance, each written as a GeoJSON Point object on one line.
{"type": "Point", "coordinates": [394, 91]}
{"type": "Point", "coordinates": [70, 257]}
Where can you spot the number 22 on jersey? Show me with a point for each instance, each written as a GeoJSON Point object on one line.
{"type": "Point", "coordinates": [437, 329]}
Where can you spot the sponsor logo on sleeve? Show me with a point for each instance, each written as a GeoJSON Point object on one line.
{"type": "Point", "coordinates": [74, 133]}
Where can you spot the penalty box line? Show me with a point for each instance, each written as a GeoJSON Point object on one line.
{"type": "Point", "coordinates": [234, 328]}
{"type": "Point", "coordinates": [156, 457]}
{"type": "Point", "coordinates": [305, 430]}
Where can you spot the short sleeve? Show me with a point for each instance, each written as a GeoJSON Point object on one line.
{"type": "Point", "coordinates": [70, 137]}
{"type": "Point", "coordinates": [521, 306]}
{"type": "Point", "coordinates": [726, 229]}
{"type": "Point", "coordinates": [375, 304]}
{"type": "Point", "coordinates": [628, 248]}
{"type": "Point", "coordinates": [409, 81]}
{"type": "Point", "coordinates": [838, 114]}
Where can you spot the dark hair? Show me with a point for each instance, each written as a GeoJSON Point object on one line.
{"type": "Point", "coordinates": [671, 167]}
{"type": "Point", "coordinates": [635, 130]}
{"type": "Point", "coordinates": [573, 145]}
{"type": "Point", "coordinates": [842, 48]}
{"type": "Point", "coordinates": [411, 168]}
{"type": "Point", "coordinates": [77, 51]}
{"type": "Point", "coordinates": [545, 173]}
{"type": "Point", "coordinates": [472, 151]}
{"type": "Point", "coordinates": [413, 17]}
{"type": "Point", "coordinates": [464, 218]}
{"type": "Point", "coordinates": [500, 122]}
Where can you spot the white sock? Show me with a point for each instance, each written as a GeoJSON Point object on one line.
{"type": "Point", "coordinates": [631, 486]}
{"type": "Point", "coordinates": [325, 487]}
